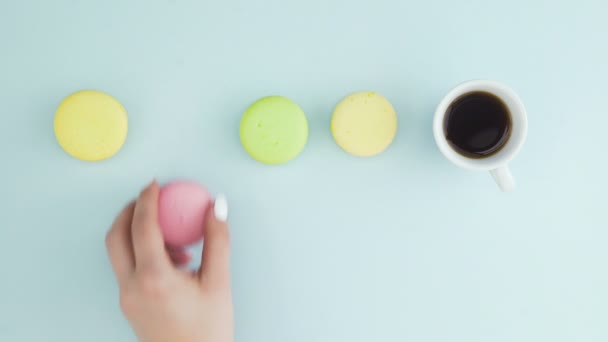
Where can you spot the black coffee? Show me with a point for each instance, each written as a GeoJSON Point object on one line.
{"type": "Point", "coordinates": [477, 124]}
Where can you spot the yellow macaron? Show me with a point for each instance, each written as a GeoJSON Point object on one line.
{"type": "Point", "coordinates": [364, 124]}
{"type": "Point", "coordinates": [91, 125]}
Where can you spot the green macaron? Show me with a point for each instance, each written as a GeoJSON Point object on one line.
{"type": "Point", "coordinates": [274, 130]}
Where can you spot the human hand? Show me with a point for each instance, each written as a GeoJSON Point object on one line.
{"type": "Point", "coordinates": [161, 302]}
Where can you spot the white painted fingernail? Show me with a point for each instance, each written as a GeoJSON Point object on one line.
{"type": "Point", "coordinates": [220, 208]}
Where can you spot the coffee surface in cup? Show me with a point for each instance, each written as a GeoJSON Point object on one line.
{"type": "Point", "coordinates": [477, 124]}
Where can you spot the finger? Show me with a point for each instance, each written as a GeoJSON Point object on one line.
{"type": "Point", "coordinates": [119, 246]}
{"type": "Point", "coordinates": [215, 268]}
{"type": "Point", "coordinates": [148, 244]}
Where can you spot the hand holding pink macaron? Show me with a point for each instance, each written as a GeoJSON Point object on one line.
{"type": "Point", "coordinates": [161, 302]}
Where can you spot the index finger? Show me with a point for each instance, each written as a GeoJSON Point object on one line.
{"type": "Point", "coordinates": [148, 243]}
{"type": "Point", "coordinates": [118, 243]}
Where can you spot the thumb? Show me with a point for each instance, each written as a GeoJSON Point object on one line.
{"type": "Point", "coordinates": [215, 267]}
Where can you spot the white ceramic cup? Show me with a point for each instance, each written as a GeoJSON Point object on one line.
{"type": "Point", "coordinates": [497, 163]}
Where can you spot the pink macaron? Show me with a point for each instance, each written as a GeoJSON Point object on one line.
{"type": "Point", "coordinates": [182, 211]}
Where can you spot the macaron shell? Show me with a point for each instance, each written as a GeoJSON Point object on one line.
{"type": "Point", "coordinates": [182, 210]}
{"type": "Point", "coordinates": [364, 124]}
{"type": "Point", "coordinates": [274, 130]}
{"type": "Point", "coordinates": [91, 125]}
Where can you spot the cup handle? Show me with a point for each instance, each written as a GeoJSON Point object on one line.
{"type": "Point", "coordinates": [503, 178]}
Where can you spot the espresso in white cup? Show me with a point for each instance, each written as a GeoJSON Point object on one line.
{"type": "Point", "coordinates": [482, 125]}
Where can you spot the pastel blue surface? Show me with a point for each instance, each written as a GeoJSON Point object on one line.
{"type": "Point", "coordinates": [400, 247]}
